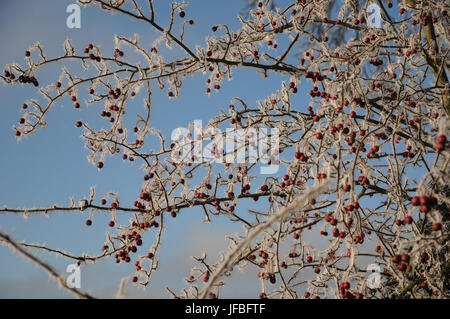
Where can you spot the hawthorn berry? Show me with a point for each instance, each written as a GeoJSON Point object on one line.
{"type": "Point", "coordinates": [401, 267]}
{"type": "Point", "coordinates": [407, 220]}
{"type": "Point", "coordinates": [345, 285]}
{"type": "Point", "coordinates": [396, 259]}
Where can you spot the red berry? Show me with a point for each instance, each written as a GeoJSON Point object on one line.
{"type": "Point", "coordinates": [423, 200]}
{"type": "Point", "coordinates": [405, 258]}
{"type": "Point", "coordinates": [345, 285]}
{"type": "Point", "coordinates": [436, 226]}
{"type": "Point", "coordinates": [424, 208]}
{"type": "Point", "coordinates": [396, 259]}
{"type": "Point", "coordinates": [407, 220]}
{"type": "Point", "coordinates": [401, 267]}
